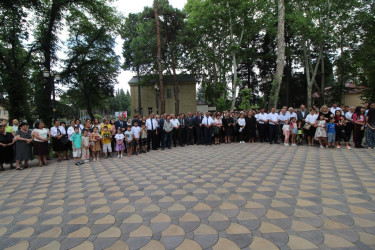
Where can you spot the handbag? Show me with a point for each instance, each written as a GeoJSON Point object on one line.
{"type": "Point", "coordinates": [307, 126]}
{"type": "Point", "coordinates": [64, 139]}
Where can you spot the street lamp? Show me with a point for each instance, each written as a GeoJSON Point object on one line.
{"type": "Point", "coordinates": [57, 77]}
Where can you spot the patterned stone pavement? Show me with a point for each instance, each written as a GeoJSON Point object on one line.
{"type": "Point", "coordinates": [236, 196]}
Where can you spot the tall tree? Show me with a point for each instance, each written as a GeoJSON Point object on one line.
{"type": "Point", "coordinates": [93, 65]}
{"type": "Point", "coordinates": [16, 56]}
{"type": "Point", "coordinates": [160, 69]}
{"type": "Point", "coordinates": [280, 53]}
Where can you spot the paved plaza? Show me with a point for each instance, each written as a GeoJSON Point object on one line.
{"type": "Point", "coordinates": [237, 196]}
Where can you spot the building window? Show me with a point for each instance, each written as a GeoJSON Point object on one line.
{"type": "Point", "coordinates": [169, 93]}
{"type": "Point", "coordinates": [149, 111]}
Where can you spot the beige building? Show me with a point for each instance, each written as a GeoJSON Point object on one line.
{"type": "Point", "coordinates": [3, 113]}
{"type": "Point", "coordinates": [150, 95]}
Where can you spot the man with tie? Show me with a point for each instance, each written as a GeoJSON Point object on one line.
{"type": "Point", "coordinates": [189, 129]}
{"type": "Point", "coordinates": [182, 130]}
{"type": "Point", "coordinates": [151, 125]}
{"type": "Point", "coordinates": [197, 128]}
{"type": "Point", "coordinates": [207, 123]}
{"type": "Point", "coordinates": [121, 124]}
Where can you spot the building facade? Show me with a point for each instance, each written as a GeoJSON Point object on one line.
{"type": "Point", "coordinates": [150, 95]}
{"type": "Point", "coordinates": [3, 113]}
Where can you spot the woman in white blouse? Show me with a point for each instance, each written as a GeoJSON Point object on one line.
{"type": "Point", "coordinates": [311, 119]}
{"type": "Point", "coordinates": [241, 123]}
{"type": "Point", "coordinates": [41, 138]}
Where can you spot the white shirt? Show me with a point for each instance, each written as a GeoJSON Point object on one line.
{"type": "Point", "coordinates": [70, 132]}
{"type": "Point", "coordinates": [349, 115]}
{"type": "Point", "coordinates": [42, 133]}
{"type": "Point", "coordinates": [263, 117]}
{"type": "Point", "coordinates": [311, 118]}
{"type": "Point", "coordinates": [291, 115]}
{"type": "Point", "coordinates": [333, 110]}
{"type": "Point", "coordinates": [241, 122]}
{"type": "Point", "coordinates": [151, 125]}
{"type": "Point", "coordinates": [283, 117]}
{"type": "Point", "coordinates": [272, 118]}
{"type": "Point", "coordinates": [55, 132]}
{"type": "Point", "coordinates": [15, 128]}
{"type": "Point", "coordinates": [119, 136]}
{"type": "Point", "coordinates": [136, 131]}
{"type": "Point", "coordinates": [207, 121]}
{"type": "Point", "coordinates": [175, 123]}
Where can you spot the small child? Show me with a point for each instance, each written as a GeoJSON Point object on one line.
{"type": "Point", "coordinates": [119, 143]}
{"type": "Point", "coordinates": [95, 143]}
{"type": "Point", "coordinates": [143, 139]}
{"type": "Point", "coordinates": [299, 137]}
{"type": "Point", "coordinates": [286, 132]}
{"type": "Point", "coordinates": [129, 140]}
{"type": "Point", "coordinates": [320, 132]}
{"type": "Point", "coordinates": [106, 140]}
{"type": "Point", "coordinates": [136, 132]}
{"type": "Point", "coordinates": [331, 132]}
{"type": "Point", "coordinates": [85, 146]}
{"type": "Point", "coordinates": [294, 129]}
{"type": "Point", "coordinates": [76, 145]}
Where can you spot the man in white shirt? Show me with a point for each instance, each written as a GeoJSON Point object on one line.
{"type": "Point", "coordinates": [349, 122]}
{"type": "Point", "coordinates": [334, 108]}
{"type": "Point", "coordinates": [302, 113]}
{"type": "Point", "coordinates": [291, 113]}
{"type": "Point", "coordinates": [283, 117]}
{"type": "Point", "coordinates": [176, 127]}
{"type": "Point", "coordinates": [57, 132]}
{"type": "Point", "coordinates": [262, 119]}
{"type": "Point", "coordinates": [273, 121]}
{"type": "Point", "coordinates": [207, 123]}
{"type": "Point", "coordinates": [152, 125]}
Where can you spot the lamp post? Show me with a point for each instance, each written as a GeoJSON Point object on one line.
{"type": "Point", "coordinates": [57, 77]}
{"type": "Point", "coordinates": [156, 87]}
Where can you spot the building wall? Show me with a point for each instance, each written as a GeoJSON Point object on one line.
{"type": "Point", "coordinates": [4, 114]}
{"type": "Point", "coordinates": [187, 96]}
{"type": "Point", "coordinates": [352, 100]}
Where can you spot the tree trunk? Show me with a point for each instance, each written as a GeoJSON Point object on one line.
{"type": "Point", "coordinates": [234, 84]}
{"type": "Point", "coordinates": [46, 45]}
{"type": "Point", "coordinates": [280, 55]}
{"type": "Point", "coordinates": [175, 80]}
{"type": "Point", "coordinates": [139, 93]}
{"type": "Point", "coordinates": [162, 101]}
{"type": "Point", "coordinates": [322, 87]}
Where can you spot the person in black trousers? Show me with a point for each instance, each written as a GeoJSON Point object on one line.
{"type": "Point", "coordinates": [189, 129]}
{"type": "Point", "coordinates": [152, 132]}
{"type": "Point", "coordinates": [197, 128]}
{"type": "Point", "coordinates": [207, 123]}
{"type": "Point", "coordinates": [182, 130]}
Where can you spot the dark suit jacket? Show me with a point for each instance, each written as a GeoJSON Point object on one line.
{"type": "Point", "coordinates": [189, 122]}
{"type": "Point", "coordinates": [182, 125]}
{"type": "Point", "coordinates": [300, 117]}
{"type": "Point", "coordinates": [197, 121]}
{"type": "Point", "coordinates": [118, 125]}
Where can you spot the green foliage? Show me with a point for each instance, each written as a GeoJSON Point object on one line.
{"type": "Point", "coordinates": [245, 99]}
{"type": "Point", "coordinates": [222, 104]}
{"type": "Point", "coordinates": [120, 102]}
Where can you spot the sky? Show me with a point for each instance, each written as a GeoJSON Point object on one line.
{"type": "Point", "coordinates": [129, 6]}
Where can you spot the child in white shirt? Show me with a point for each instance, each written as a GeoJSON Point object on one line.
{"type": "Point", "coordinates": [120, 146]}
{"type": "Point", "coordinates": [136, 132]}
{"type": "Point", "coordinates": [286, 132]}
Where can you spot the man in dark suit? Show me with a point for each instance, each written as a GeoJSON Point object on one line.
{"type": "Point", "coordinates": [189, 129]}
{"type": "Point", "coordinates": [197, 128]}
{"type": "Point", "coordinates": [302, 113]}
{"type": "Point", "coordinates": [182, 130]}
{"type": "Point", "coordinates": [121, 124]}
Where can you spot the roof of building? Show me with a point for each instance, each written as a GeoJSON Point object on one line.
{"type": "Point", "coordinates": [166, 79]}
{"type": "Point", "coordinates": [351, 89]}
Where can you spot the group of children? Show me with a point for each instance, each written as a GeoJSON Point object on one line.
{"type": "Point", "coordinates": [133, 140]}
{"type": "Point", "coordinates": [292, 130]}
{"type": "Point", "coordinates": [326, 133]}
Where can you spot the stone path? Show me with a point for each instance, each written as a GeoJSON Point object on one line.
{"type": "Point", "coordinates": [236, 196]}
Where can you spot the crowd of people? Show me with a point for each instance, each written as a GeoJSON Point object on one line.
{"type": "Point", "coordinates": [92, 140]}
